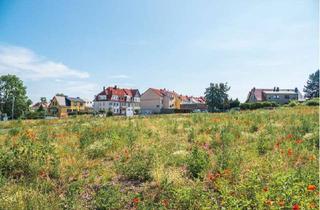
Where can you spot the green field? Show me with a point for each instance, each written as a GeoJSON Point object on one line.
{"type": "Point", "coordinates": [263, 159]}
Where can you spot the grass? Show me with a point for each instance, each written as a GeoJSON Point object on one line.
{"type": "Point", "coordinates": [263, 159]}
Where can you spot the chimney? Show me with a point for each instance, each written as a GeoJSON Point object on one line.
{"type": "Point", "coordinates": [115, 87]}
{"type": "Point", "coordinates": [104, 88]}
{"type": "Point", "coordinates": [278, 89]}
{"type": "Point", "coordinates": [296, 90]}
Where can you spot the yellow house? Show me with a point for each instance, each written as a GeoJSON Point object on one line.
{"type": "Point", "coordinates": [177, 101]}
{"type": "Point", "coordinates": [61, 106]}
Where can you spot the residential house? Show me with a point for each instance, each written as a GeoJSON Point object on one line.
{"type": "Point", "coordinates": [117, 100]}
{"type": "Point", "coordinates": [159, 100]}
{"type": "Point", "coordinates": [193, 103]}
{"type": "Point", "coordinates": [40, 105]}
{"type": "Point", "coordinates": [281, 96]}
{"type": "Point", "coordinates": [62, 106]}
{"type": "Point", "coordinates": [88, 104]}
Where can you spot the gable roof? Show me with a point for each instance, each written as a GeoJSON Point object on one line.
{"type": "Point", "coordinates": [159, 92]}
{"type": "Point", "coordinates": [258, 93]}
{"type": "Point", "coordinates": [120, 92]}
{"type": "Point", "coordinates": [61, 100]}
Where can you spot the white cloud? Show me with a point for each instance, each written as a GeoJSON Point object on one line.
{"type": "Point", "coordinates": [27, 64]}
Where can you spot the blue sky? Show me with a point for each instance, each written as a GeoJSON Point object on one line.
{"type": "Point", "coordinates": [78, 46]}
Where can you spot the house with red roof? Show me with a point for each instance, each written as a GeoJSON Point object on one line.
{"type": "Point", "coordinates": [281, 96]}
{"type": "Point", "coordinates": [193, 103]}
{"type": "Point", "coordinates": [118, 100]}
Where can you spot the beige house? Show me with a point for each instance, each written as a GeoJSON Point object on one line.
{"type": "Point", "coordinates": [156, 100]}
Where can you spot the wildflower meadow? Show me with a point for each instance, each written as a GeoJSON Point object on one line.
{"type": "Point", "coordinates": [261, 159]}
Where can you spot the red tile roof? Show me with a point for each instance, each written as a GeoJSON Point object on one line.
{"type": "Point", "coordinates": [120, 92]}
{"type": "Point", "coordinates": [159, 92]}
{"type": "Point", "coordinates": [258, 93]}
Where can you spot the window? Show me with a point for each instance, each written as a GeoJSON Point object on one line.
{"type": "Point", "coordinates": [287, 97]}
{"type": "Point", "coordinates": [157, 106]}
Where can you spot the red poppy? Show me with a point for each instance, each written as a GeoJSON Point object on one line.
{"type": "Point", "coordinates": [211, 176]}
{"type": "Point", "coordinates": [269, 202]}
{"type": "Point", "coordinates": [277, 145]}
{"type": "Point", "coordinates": [289, 152]}
{"type": "Point", "coordinates": [265, 189]}
{"type": "Point", "coordinates": [311, 187]}
{"type": "Point", "coordinates": [165, 202]}
{"type": "Point", "coordinates": [135, 200]}
{"type": "Point", "coordinates": [289, 136]}
{"type": "Point", "coordinates": [295, 207]}
{"type": "Point", "coordinates": [281, 203]}
{"type": "Point", "coordinates": [299, 141]}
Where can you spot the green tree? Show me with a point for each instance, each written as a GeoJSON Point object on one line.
{"type": "Point", "coordinates": [13, 96]}
{"type": "Point", "coordinates": [43, 100]}
{"type": "Point", "coordinates": [312, 87]}
{"type": "Point", "coordinates": [217, 96]}
{"type": "Point", "coordinates": [234, 103]}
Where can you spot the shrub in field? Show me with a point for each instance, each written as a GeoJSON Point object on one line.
{"type": "Point", "coordinates": [108, 197]}
{"type": "Point", "coordinates": [191, 134]}
{"type": "Point", "coordinates": [192, 197]}
{"type": "Point", "coordinates": [13, 196]}
{"type": "Point", "coordinates": [258, 105]}
{"type": "Point", "coordinates": [253, 128]}
{"type": "Point", "coordinates": [28, 157]}
{"type": "Point", "coordinates": [14, 131]}
{"type": "Point", "coordinates": [71, 199]}
{"type": "Point", "coordinates": [222, 159]}
{"type": "Point", "coordinates": [109, 113]}
{"type": "Point", "coordinates": [313, 102]}
{"type": "Point", "coordinates": [293, 103]}
{"type": "Point", "coordinates": [261, 146]}
{"type": "Point", "coordinates": [197, 163]}
{"type": "Point", "coordinates": [90, 135]}
{"type": "Point", "coordinates": [99, 148]}
{"type": "Point", "coordinates": [136, 166]}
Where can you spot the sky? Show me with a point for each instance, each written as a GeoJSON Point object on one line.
{"type": "Point", "coordinates": [76, 47]}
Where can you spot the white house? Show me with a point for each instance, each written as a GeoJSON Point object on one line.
{"type": "Point", "coordinates": [117, 100]}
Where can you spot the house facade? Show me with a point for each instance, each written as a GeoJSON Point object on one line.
{"type": "Point", "coordinates": [193, 103]}
{"type": "Point", "coordinates": [117, 100]}
{"type": "Point", "coordinates": [62, 106]}
{"type": "Point", "coordinates": [281, 96]}
{"type": "Point", "coordinates": [160, 101]}
{"type": "Point", "coordinates": [40, 105]}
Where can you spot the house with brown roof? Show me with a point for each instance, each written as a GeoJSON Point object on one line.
{"type": "Point", "coordinates": [62, 106]}
{"type": "Point", "coordinates": [118, 100]}
{"type": "Point", "coordinates": [281, 96]}
{"type": "Point", "coordinates": [156, 100]}
{"type": "Point", "coordinates": [40, 105]}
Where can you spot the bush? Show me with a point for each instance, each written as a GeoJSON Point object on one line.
{"type": "Point", "coordinates": [258, 105]}
{"type": "Point", "coordinates": [137, 166]}
{"type": "Point", "coordinates": [312, 102]}
{"type": "Point", "coordinates": [98, 149]}
{"type": "Point", "coordinates": [293, 103]}
{"type": "Point", "coordinates": [28, 157]}
{"type": "Point", "coordinates": [197, 163]}
{"type": "Point", "coordinates": [109, 113]}
{"type": "Point", "coordinates": [108, 197]}
{"type": "Point", "coordinates": [35, 115]}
